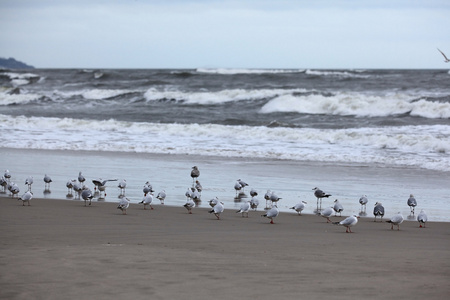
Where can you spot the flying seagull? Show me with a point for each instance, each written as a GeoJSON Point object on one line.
{"type": "Point", "coordinates": [446, 59]}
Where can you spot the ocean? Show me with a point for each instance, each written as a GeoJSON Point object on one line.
{"type": "Point", "coordinates": [379, 118]}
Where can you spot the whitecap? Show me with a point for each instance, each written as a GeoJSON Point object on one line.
{"type": "Point", "coordinates": [357, 104]}
{"type": "Point", "coordinates": [224, 71]}
{"type": "Point", "coordinates": [414, 146]}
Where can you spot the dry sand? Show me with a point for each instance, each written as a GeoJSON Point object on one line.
{"type": "Point", "coordinates": [58, 249]}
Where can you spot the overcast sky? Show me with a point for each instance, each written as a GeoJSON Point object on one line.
{"type": "Point", "coordinates": [226, 33]}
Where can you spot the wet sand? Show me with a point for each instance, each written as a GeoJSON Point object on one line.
{"type": "Point", "coordinates": [57, 249]}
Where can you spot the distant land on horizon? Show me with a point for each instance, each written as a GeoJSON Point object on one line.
{"type": "Point", "coordinates": [11, 63]}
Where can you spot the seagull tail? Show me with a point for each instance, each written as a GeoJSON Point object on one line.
{"type": "Point", "coordinates": [336, 223]}
{"type": "Point", "coordinates": [388, 221]}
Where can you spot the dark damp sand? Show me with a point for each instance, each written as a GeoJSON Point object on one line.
{"type": "Point", "coordinates": [62, 250]}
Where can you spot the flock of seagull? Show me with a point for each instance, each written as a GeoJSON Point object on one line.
{"type": "Point", "coordinates": [193, 196]}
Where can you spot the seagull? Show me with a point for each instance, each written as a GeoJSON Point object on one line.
{"type": "Point", "coordinates": [81, 178]}
{"type": "Point", "coordinates": [78, 187]}
{"type": "Point", "coordinates": [319, 195]}
{"type": "Point", "coordinates": [198, 186]}
{"type": "Point", "coordinates": [253, 192]}
{"type": "Point", "coordinates": [13, 188]}
{"type": "Point", "coordinates": [378, 210]}
{"type": "Point", "coordinates": [338, 208]}
{"type": "Point", "coordinates": [271, 214]}
{"type": "Point", "coordinates": [254, 202]}
{"type": "Point", "coordinates": [412, 203]}
{"type": "Point", "coordinates": [267, 196]}
{"type": "Point", "coordinates": [396, 220]}
{"type": "Point", "coordinates": [47, 181]}
{"type": "Point", "coordinates": [237, 187]}
{"type": "Point", "coordinates": [213, 202]}
{"type": "Point", "coordinates": [243, 184]}
{"type": "Point", "coordinates": [147, 200]}
{"type": "Point", "coordinates": [446, 59]}
{"type": "Point", "coordinates": [299, 207]}
{"type": "Point", "coordinates": [7, 175]}
{"type": "Point", "coordinates": [188, 193]}
{"type": "Point", "coordinates": [190, 204]}
{"type": "Point", "coordinates": [348, 222]}
{"type": "Point", "coordinates": [422, 218]}
{"type": "Point", "coordinates": [363, 201]}
{"type": "Point", "coordinates": [26, 197]}
{"type": "Point", "coordinates": [122, 185]}
{"type": "Point", "coordinates": [29, 182]}
{"type": "Point", "coordinates": [274, 198]}
{"type": "Point", "coordinates": [3, 183]}
{"type": "Point", "coordinates": [69, 185]}
{"type": "Point", "coordinates": [245, 207]}
{"type": "Point", "coordinates": [196, 197]}
{"type": "Point", "coordinates": [195, 173]}
{"type": "Point", "coordinates": [161, 196]}
{"type": "Point", "coordinates": [147, 188]}
{"type": "Point", "coordinates": [87, 195]}
{"type": "Point", "coordinates": [326, 213]}
{"type": "Point", "coordinates": [124, 203]}
{"type": "Point", "coordinates": [217, 210]}
{"type": "Point", "coordinates": [101, 185]}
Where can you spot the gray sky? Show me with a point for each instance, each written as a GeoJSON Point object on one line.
{"type": "Point", "coordinates": [226, 33]}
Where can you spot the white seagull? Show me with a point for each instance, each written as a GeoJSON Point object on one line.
{"type": "Point", "coordinates": [124, 203]}
{"type": "Point", "coordinates": [267, 197]}
{"type": "Point", "coordinates": [122, 185]}
{"type": "Point", "coordinates": [213, 202]}
{"type": "Point", "coordinates": [422, 218]}
{"type": "Point", "coordinates": [396, 220]}
{"type": "Point", "coordinates": [446, 59]}
{"type": "Point", "coordinates": [338, 208]}
{"type": "Point", "coordinates": [348, 222]}
{"type": "Point", "coordinates": [87, 195]}
{"type": "Point", "coordinates": [271, 214]}
{"type": "Point", "coordinates": [245, 207]}
{"type": "Point", "coordinates": [217, 210]}
{"type": "Point", "coordinates": [147, 188]}
{"type": "Point", "coordinates": [147, 200]}
{"type": "Point", "coordinates": [81, 178]}
{"type": "Point", "coordinates": [161, 196]}
{"type": "Point", "coordinates": [29, 182]}
{"type": "Point", "coordinates": [47, 181]}
{"type": "Point", "coordinates": [274, 198]}
{"type": "Point", "coordinates": [69, 185]}
{"type": "Point", "coordinates": [299, 207]}
{"type": "Point", "coordinates": [412, 203]}
{"type": "Point", "coordinates": [190, 204]}
{"type": "Point", "coordinates": [254, 202]}
{"type": "Point", "coordinates": [326, 213]}
{"type": "Point", "coordinates": [26, 198]}
{"type": "Point", "coordinates": [100, 184]}
{"type": "Point", "coordinates": [363, 201]}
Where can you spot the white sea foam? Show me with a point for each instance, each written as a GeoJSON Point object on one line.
{"type": "Point", "coordinates": [357, 104]}
{"type": "Point", "coordinates": [415, 146]}
{"type": "Point", "coordinates": [217, 97]}
{"type": "Point", "coordinates": [354, 74]}
{"type": "Point", "coordinates": [98, 94]}
{"type": "Point", "coordinates": [7, 99]}
{"type": "Point", "coordinates": [224, 71]}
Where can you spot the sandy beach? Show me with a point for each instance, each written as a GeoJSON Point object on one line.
{"type": "Point", "coordinates": [57, 249]}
